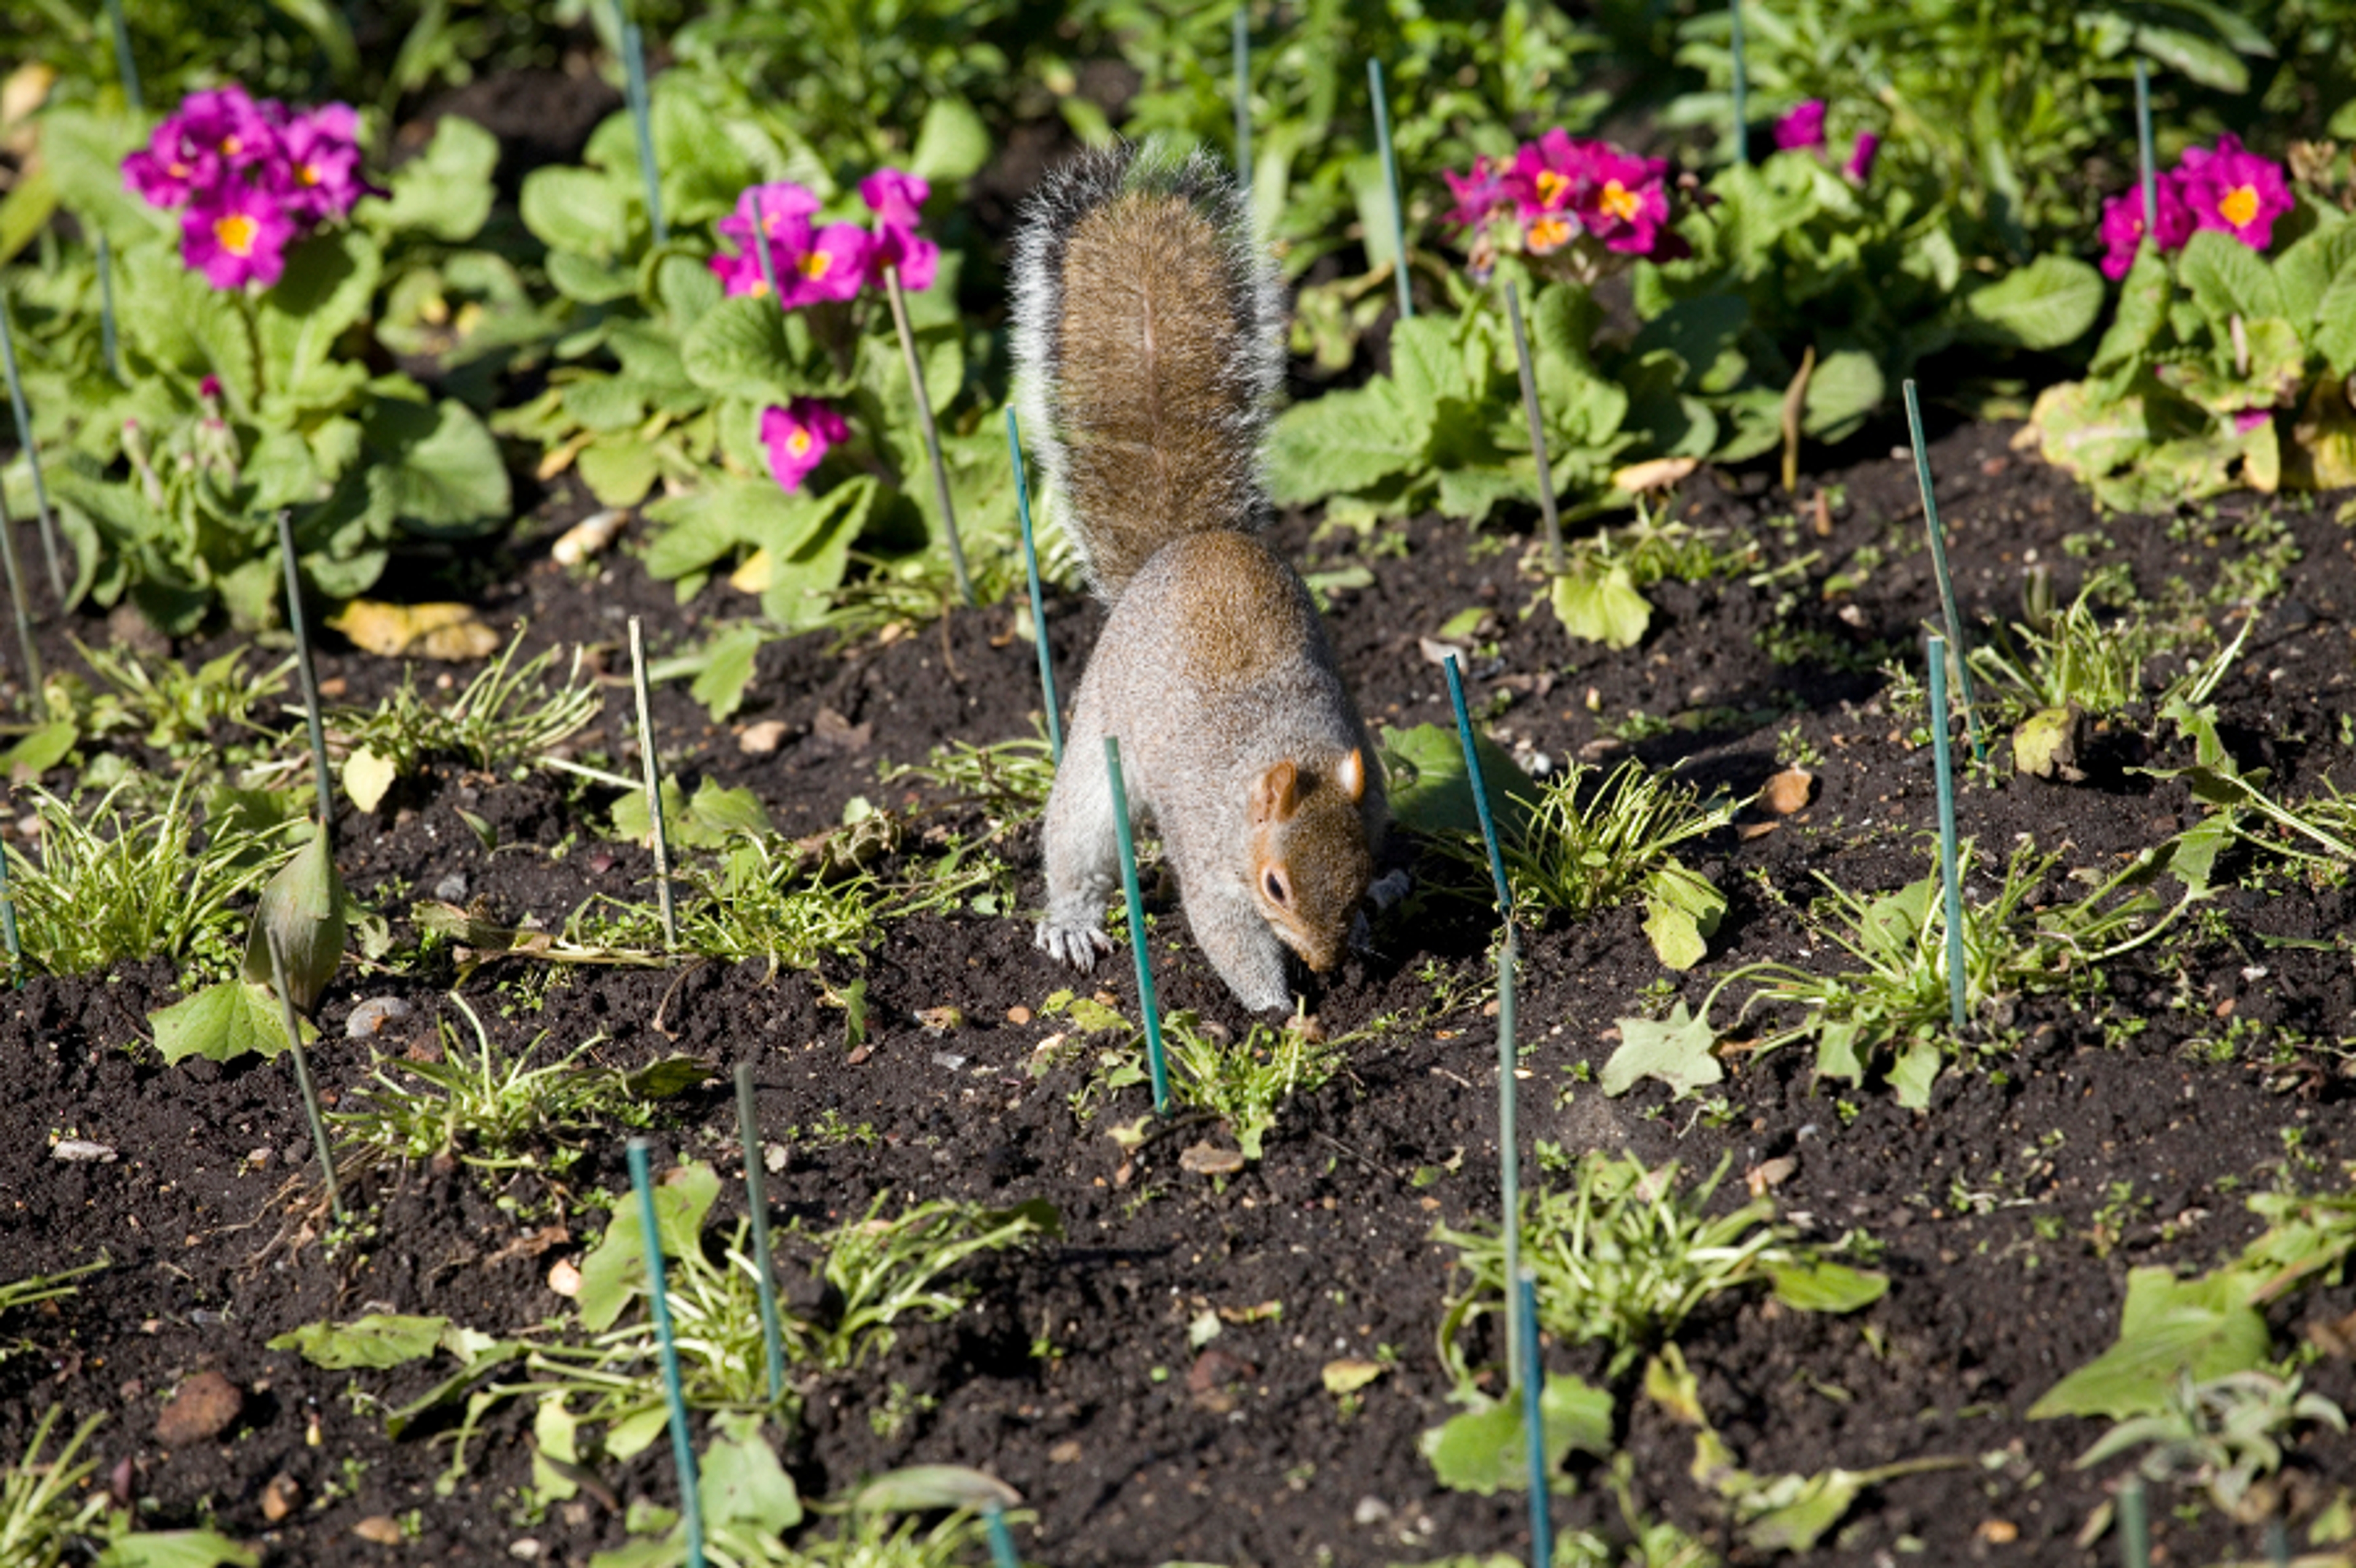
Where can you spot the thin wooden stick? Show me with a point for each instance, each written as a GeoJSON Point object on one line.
{"type": "Point", "coordinates": [650, 766]}
{"type": "Point", "coordinates": [930, 431]}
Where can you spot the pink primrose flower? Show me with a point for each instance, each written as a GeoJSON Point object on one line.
{"type": "Point", "coordinates": [320, 174]}
{"type": "Point", "coordinates": [784, 209]}
{"type": "Point", "coordinates": [2233, 190]}
{"type": "Point", "coordinates": [236, 235]}
{"type": "Point", "coordinates": [1479, 195]}
{"type": "Point", "coordinates": [783, 206]}
{"type": "Point", "coordinates": [797, 436]}
{"type": "Point", "coordinates": [897, 200]}
{"type": "Point", "coordinates": [833, 267]}
{"type": "Point", "coordinates": [2247, 420]}
{"type": "Point", "coordinates": [2123, 226]}
{"type": "Point", "coordinates": [1859, 167]}
{"type": "Point", "coordinates": [896, 196]}
{"type": "Point", "coordinates": [170, 168]}
{"type": "Point", "coordinates": [1802, 128]}
{"type": "Point", "coordinates": [227, 124]}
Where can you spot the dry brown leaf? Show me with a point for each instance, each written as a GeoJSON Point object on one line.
{"type": "Point", "coordinates": [449, 632]}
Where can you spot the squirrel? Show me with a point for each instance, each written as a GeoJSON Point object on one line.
{"type": "Point", "coordinates": [1147, 354]}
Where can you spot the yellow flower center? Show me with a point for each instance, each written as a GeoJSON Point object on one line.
{"type": "Point", "coordinates": [230, 147]}
{"type": "Point", "coordinates": [760, 289]}
{"type": "Point", "coordinates": [1550, 186]}
{"type": "Point", "coordinates": [1548, 233]}
{"type": "Point", "coordinates": [798, 443]}
{"type": "Point", "coordinates": [2240, 206]}
{"type": "Point", "coordinates": [236, 232]}
{"type": "Point", "coordinates": [306, 174]}
{"type": "Point", "coordinates": [815, 266]}
{"type": "Point", "coordinates": [1620, 201]}
{"type": "Point", "coordinates": [179, 171]}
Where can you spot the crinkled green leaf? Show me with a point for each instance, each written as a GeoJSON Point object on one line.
{"type": "Point", "coordinates": [379, 1339]}
{"type": "Point", "coordinates": [222, 1023]}
{"type": "Point", "coordinates": [616, 1269]}
{"type": "Point", "coordinates": [2052, 302]}
{"type": "Point", "coordinates": [2169, 1329]}
{"type": "Point", "coordinates": [1431, 792]}
{"type": "Point", "coordinates": [1674, 1051]}
{"type": "Point", "coordinates": [1602, 604]}
{"type": "Point", "coordinates": [1487, 1450]}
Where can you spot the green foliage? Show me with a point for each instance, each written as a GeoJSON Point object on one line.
{"type": "Point", "coordinates": [1247, 1083]}
{"type": "Point", "coordinates": [1599, 595]}
{"type": "Point", "coordinates": [47, 1516]}
{"type": "Point", "coordinates": [1009, 779]}
{"type": "Point", "coordinates": [168, 706]}
{"type": "Point", "coordinates": [2204, 344]}
{"type": "Point", "coordinates": [2227, 1433]}
{"type": "Point", "coordinates": [1625, 1254]}
{"type": "Point", "coordinates": [508, 717]}
{"type": "Point", "coordinates": [1486, 1449]}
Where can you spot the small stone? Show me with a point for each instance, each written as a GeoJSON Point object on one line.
{"type": "Point", "coordinates": [279, 1497]}
{"type": "Point", "coordinates": [1067, 1452]}
{"type": "Point", "coordinates": [1018, 1015]}
{"type": "Point", "coordinates": [205, 1406]}
{"type": "Point", "coordinates": [382, 1528]}
{"type": "Point", "coordinates": [1208, 1160]}
{"type": "Point", "coordinates": [1370, 1511]}
{"type": "Point", "coordinates": [1998, 1531]}
{"type": "Point", "coordinates": [370, 1018]}
{"type": "Point", "coordinates": [452, 888]}
{"type": "Point", "coordinates": [763, 739]}
{"type": "Point", "coordinates": [525, 1547]}
{"type": "Point", "coordinates": [81, 1151]}
{"type": "Point", "coordinates": [1770, 1173]}
{"type": "Point", "coordinates": [1788, 791]}
{"type": "Point", "coordinates": [588, 538]}
{"type": "Point", "coordinates": [565, 1277]}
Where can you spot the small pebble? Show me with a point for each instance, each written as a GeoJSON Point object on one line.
{"type": "Point", "coordinates": [452, 888]}
{"type": "Point", "coordinates": [204, 1406]}
{"type": "Point", "coordinates": [81, 1151]}
{"type": "Point", "coordinates": [382, 1528]}
{"type": "Point", "coordinates": [760, 739]}
{"type": "Point", "coordinates": [370, 1018]}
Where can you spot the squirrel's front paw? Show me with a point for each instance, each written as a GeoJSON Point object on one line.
{"type": "Point", "coordinates": [1077, 946]}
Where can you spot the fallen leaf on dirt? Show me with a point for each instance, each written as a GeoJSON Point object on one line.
{"type": "Point", "coordinates": [1659, 474]}
{"type": "Point", "coordinates": [531, 1246]}
{"type": "Point", "coordinates": [1747, 831]}
{"type": "Point", "coordinates": [379, 1528]}
{"type": "Point", "coordinates": [279, 1497]}
{"type": "Point", "coordinates": [204, 1407]}
{"type": "Point", "coordinates": [830, 731]}
{"type": "Point", "coordinates": [1770, 1173]}
{"type": "Point", "coordinates": [940, 1020]}
{"type": "Point", "coordinates": [1788, 791]}
{"type": "Point", "coordinates": [370, 1018]}
{"type": "Point", "coordinates": [589, 536]}
{"type": "Point", "coordinates": [1208, 1379]}
{"type": "Point", "coordinates": [416, 631]}
{"type": "Point", "coordinates": [1348, 1376]}
{"type": "Point", "coordinates": [1209, 1159]}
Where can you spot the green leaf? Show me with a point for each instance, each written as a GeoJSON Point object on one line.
{"type": "Point", "coordinates": [1487, 1450]}
{"type": "Point", "coordinates": [1344, 442]}
{"type": "Point", "coordinates": [366, 777]}
{"type": "Point", "coordinates": [1430, 793]}
{"type": "Point", "coordinates": [726, 670]}
{"type": "Point", "coordinates": [740, 1481]}
{"type": "Point", "coordinates": [1913, 1072]}
{"type": "Point", "coordinates": [222, 1023]}
{"type": "Point", "coordinates": [1674, 1051]}
{"type": "Point", "coordinates": [619, 469]}
{"type": "Point", "coordinates": [42, 750]}
{"type": "Point", "coordinates": [2335, 334]}
{"type": "Point", "coordinates": [177, 1549]}
{"type": "Point", "coordinates": [379, 1339]}
{"type": "Point", "coordinates": [1813, 1285]}
{"type": "Point", "coordinates": [2308, 269]}
{"type": "Point", "coordinates": [1682, 908]}
{"type": "Point", "coordinates": [2227, 278]}
{"type": "Point", "coordinates": [921, 1488]}
{"type": "Point", "coordinates": [2052, 302]}
{"type": "Point", "coordinates": [1846, 385]}
{"type": "Point", "coordinates": [303, 912]}
{"type": "Point", "coordinates": [952, 143]}
{"type": "Point", "coordinates": [616, 1269]}
{"type": "Point", "coordinates": [436, 468]}
{"type": "Point", "coordinates": [578, 210]}
{"type": "Point", "coordinates": [2206, 61]}
{"type": "Point", "coordinates": [739, 349]}
{"type": "Point", "coordinates": [444, 191]}
{"type": "Point", "coordinates": [1602, 604]}
{"type": "Point", "coordinates": [2169, 1329]}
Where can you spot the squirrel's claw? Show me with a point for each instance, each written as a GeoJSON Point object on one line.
{"type": "Point", "coordinates": [1077, 946]}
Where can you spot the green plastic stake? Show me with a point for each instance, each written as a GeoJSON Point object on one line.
{"type": "Point", "coordinates": [309, 675]}
{"type": "Point", "coordinates": [2278, 1543]}
{"type": "Point", "coordinates": [1038, 602]}
{"type": "Point", "coordinates": [9, 926]}
{"type": "Point", "coordinates": [748, 1133]}
{"type": "Point", "coordinates": [1001, 1540]}
{"type": "Point", "coordinates": [1509, 1145]}
{"type": "Point", "coordinates": [2143, 151]}
{"type": "Point", "coordinates": [761, 247]}
{"type": "Point", "coordinates": [1741, 85]}
{"type": "Point", "coordinates": [303, 1079]}
{"type": "Point", "coordinates": [930, 431]}
{"type": "Point", "coordinates": [683, 1452]}
{"type": "Point", "coordinates": [123, 67]}
{"type": "Point", "coordinates": [1526, 1294]}
{"type": "Point", "coordinates": [1391, 182]}
{"type": "Point", "coordinates": [2135, 1525]}
{"type": "Point", "coordinates": [634, 88]}
{"type": "Point", "coordinates": [106, 335]}
{"type": "Point", "coordinates": [1537, 429]}
{"type": "Point", "coordinates": [1951, 878]}
{"type": "Point", "coordinates": [1242, 52]}
{"type": "Point", "coordinates": [1145, 998]}
{"type": "Point", "coordinates": [32, 454]}
{"type": "Point", "coordinates": [651, 768]}
{"type": "Point", "coordinates": [33, 679]}
{"type": "Point", "coordinates": [1939, 568]}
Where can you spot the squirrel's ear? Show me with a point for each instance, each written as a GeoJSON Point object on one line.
{"type": "Point", "coordinates": [1278, 795]}
{"type": "Point", "coordinates": [1350, 773]}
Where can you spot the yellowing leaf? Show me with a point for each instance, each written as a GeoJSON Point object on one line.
{"type": "Point", "coordinates": [452, 631]}
{"type": "Point", "coordinates": [754, 576]}
{"type": "Point", "coordinates": [1348, 1377]}
{"type": "Point", "coordinates": [366, 776]}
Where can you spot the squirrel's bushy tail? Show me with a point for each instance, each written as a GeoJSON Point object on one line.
{"type": "Point", "coordinates": [1148, 353]}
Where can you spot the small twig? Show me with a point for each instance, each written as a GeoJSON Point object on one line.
{"type": "Point", "coordinates": [930, 431]}
{"type": "Point", "coordinates": [653, 771]}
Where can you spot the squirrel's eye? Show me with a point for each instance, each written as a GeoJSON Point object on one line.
{"type": "Point", "coordinates": [1275, 885]}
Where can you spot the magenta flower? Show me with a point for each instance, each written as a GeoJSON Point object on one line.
{"type": "Point", "coordinates": [2247, 420]}
{"type": "Point", "coordinates": [2123, 226]}
{"type": "Point", "coordinates": [783, 206]}
{"type": "Point", "coordinates": [1803, 128]}
{"type": "Point", "coordinates": [897, 200]}
{"type": "Point", "coordinates": [1479, 195]}
{"type": "Point", "coordinates": [169, 169]}
{"type": "Point", "coordinates": [797, 436]}
{"type": "Point", "coordinates": [833, 266]}
{"type": "Point", "coordinates": [225, 123]}
{"type": "Point", "coordinates": [235, 236]}
{"type": "Point", "coordinates": [319, 174]}
{"type": "Point", "coordinates": [2233, 190]}
{"type": "Point", "coordinates": [1859, 167]}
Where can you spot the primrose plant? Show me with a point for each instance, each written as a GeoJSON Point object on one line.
{"type": "Point", "coordinates": [2222, 367]}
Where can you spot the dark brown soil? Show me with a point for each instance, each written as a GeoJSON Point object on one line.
{"type": "Point", "coordinates": [1985, 1208]}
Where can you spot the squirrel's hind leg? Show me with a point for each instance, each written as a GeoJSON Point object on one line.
{"type": "Point", "coordinates": [1083, 867]}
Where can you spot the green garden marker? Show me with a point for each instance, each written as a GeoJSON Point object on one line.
{"type": "Point", "coordinates": [1537, 429]}
{"type": "Point", "coordinates": [748, 1133]}
{"type": "Point", "coordinates": [2135, 1525]}
{"type": "Point", "coordinates": [1741, 83]}
{"type": "Point", "coordinates": [1951, 878]}
{"type": "Point", "coordinates": [33, 679]}
{"type": "Point", "coordinates": [124, 69]}
{"type": "Point", "coordinates": [1391, 182]}
{"type": "Point", "coordinates": [9, 926]}
{"type": "Point", "coordinates": [930, 431]}
{"type": "Point", "coordinates": [651, 770]}
{"type": "Point", "coordinates": [1938, 570]}
{"type": "Point", "coordinates": [1145, 998]}
{"type": "Point", "coordinates": [1242, 52]}
{"type": "Point", "coordinates": [1001, 1540]}
{"type": "Point", "coordinates": [303, 1079]}
{"type": "Point", "coordinates": [32, 454]}
{"type": "Point", "coordinates": [761, 247]}
{"type": "Point", "coordinates": [2150, 166]}
{"type": "Point", "coordinates": [309, 675]}
{"type": "Point", "coordinates": [1526, 1296]}
{"type": "Point", "coordinates": [641, 107]}
{"type": "Point", "coordinates": [682, 1451]}
{"type": "Point", "coordinates": [1038, 602]}
{"type": "Point", "coordinates": [1509, 1147]}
